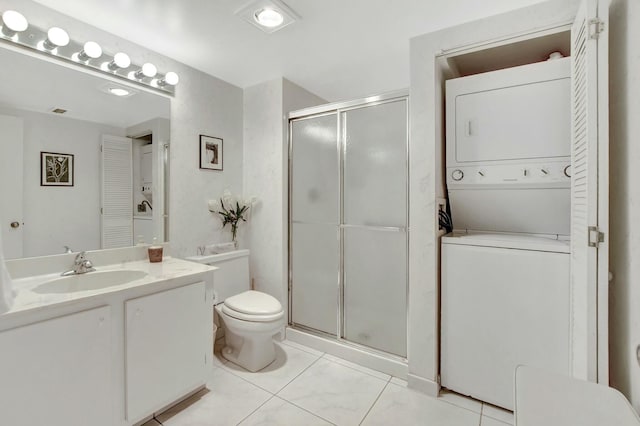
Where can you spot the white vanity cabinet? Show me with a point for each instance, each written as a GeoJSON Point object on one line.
{"type": "Point", "coordinates": [59, 369]}
{"type": "Point", "coordinates": [165, 347]}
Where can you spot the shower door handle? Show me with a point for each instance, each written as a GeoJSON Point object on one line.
{"type": "Point", "coordinates": [376, 228]}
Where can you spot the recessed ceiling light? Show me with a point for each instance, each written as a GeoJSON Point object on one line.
{"type": "Point", "coordinates": [119, 91]}
{"type": "Point", "coordinates": [268, 15]}
{"type": "Point", "coordinates": [269, 18]}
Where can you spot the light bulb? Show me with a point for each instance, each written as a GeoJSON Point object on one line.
{"type": "Point", "coordinates": [269, 18]}
{"type": "Point", "coordinates": [56, 37]}
{"type": "Point", "coordinates": [13, 22]}
{"type": "Point", "coordinates": [147, 70]}
{"type": "Point", "coordinates": [91, 50]}
{"type": "Point", "coordinates": [120, 60]}
{"type": "Point", "coordinates": [171, 78]}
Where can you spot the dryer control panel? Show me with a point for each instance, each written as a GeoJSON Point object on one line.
{"type": "Point", "coordinates": [509, 175]}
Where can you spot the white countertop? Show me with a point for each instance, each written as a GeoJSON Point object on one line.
{"type": "Point", "coordinates": [169, 269]}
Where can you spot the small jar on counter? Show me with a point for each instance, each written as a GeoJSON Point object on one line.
{"type": "Point", "coordinates": [155, 251]}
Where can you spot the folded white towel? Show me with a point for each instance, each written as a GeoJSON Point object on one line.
{"type": "Point", "coordinates": [6, 288]}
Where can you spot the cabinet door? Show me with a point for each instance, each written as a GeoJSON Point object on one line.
{"type": "Point", "coordinates": [504, 123]}
{"type": "Point", "coordinates": [58, 372]}
{"type": "Point", "coordinates": [165, 346]}
{"type": "Point", "coordinates": [145, 165]}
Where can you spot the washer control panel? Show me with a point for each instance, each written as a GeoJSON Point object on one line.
{"type": "Point", "coordinates": [528, 173]}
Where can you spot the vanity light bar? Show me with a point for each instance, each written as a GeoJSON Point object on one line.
{"type": "Point", "coordinates": [56, 42]}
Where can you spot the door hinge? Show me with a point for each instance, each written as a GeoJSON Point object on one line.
{"type": "Point", "coordinates": [595, 236]}
{"type": "Point", "coordinates": [596, 26]}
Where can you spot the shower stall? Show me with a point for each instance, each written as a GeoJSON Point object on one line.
{"type": "Point", "coordinates": [348, 222]}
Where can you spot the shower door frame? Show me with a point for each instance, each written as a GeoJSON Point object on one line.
{"type": "Point", "coordinates": [338, 108]}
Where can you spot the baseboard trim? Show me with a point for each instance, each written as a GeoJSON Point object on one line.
{"type": "Point", "coordinates": [366, 359]}
{"type": "Point", "coordinates": [423, 385]}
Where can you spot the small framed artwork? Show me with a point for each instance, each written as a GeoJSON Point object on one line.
{"type": "Point", "coordinates": [56, 169]}
{"type": "Point", "coordinates": [210, 153]}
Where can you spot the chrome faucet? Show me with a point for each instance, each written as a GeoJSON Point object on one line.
{"type": "Point", "coordinates": [81, 265]}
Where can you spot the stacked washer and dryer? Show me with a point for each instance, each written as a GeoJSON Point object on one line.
{"type": "Point", "coordinates": [505, 269]}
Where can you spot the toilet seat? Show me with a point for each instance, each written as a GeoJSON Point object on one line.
{"type": "Point", "coordinates": [253, 306]}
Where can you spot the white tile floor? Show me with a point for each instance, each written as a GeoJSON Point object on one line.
{"type": "Point", "coordinates": [307, 387]}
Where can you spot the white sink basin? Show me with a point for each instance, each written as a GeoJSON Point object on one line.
{"type": "Point", "coordinates": [89, 281]}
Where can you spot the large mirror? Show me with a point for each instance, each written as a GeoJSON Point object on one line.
{"type": "Point", "coordinates": [80, 167]}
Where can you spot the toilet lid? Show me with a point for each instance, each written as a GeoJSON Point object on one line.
{"type": "Point", "coordinates": [253, 303]}
{"type": "Point", "coordinates": [251, 317]}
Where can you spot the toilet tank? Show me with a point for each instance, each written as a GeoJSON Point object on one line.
{"type": "Point", "coordinates": [232, 276]}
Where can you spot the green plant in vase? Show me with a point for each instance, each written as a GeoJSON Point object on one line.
{"type": "Point", "coordinates": [232, 210]}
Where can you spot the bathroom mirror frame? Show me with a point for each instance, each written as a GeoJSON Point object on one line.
{"type": "Point", "coordinates": [38, 86]}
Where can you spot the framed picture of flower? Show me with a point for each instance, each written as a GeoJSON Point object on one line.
{"type": "Point", "coordinates": [56, 169]}
{"type": "Point", "coordinates": [211, 154]}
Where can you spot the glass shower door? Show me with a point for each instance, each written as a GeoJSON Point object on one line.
{"type": "Point", "coordinates": [374, 226]}
{"type": "Point", "coordinates": [315, 219]}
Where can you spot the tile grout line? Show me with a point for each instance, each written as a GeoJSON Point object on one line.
{"type": "Point", "coordinates": [355, 369]}
{"type": "Point", "coordinates": [257, 408]}
{"type": "Point", "coordinates": [293, 403]}
{"type": "Point", "coordinates": [496, 418]}
{"type": "Point", "coordinates": [300, 346]}
{"type": "Point", "coordinates": [305, 410]}
{"type": "Point", "coordinates": [375, 401]}
{"type": "Point", "coordinates": [297, 375]}
{"type": "Point", "coordinates": [230, 371]}
{"type": "Point", "coordinates": [460, 406]}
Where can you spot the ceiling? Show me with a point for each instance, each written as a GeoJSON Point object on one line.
{"type": "Point", "coordinates": [81, 94]}
{"type": "Point", "coordinates": [340, 49]}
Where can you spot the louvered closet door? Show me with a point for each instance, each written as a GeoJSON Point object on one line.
{"type": "Point", "coordinates": [589, 193]}
{"type": "Point", "coordinates": [117, 192]}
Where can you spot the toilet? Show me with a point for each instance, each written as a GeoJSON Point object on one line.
{"type": "Point", "coordinates": [250, 318]}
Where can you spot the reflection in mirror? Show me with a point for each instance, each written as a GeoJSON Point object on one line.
{"type": "Point", "coordinates": [82, 163]}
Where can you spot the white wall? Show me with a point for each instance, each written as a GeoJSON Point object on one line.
{"type": "Point", "coordinates": [202, 105]}
{"type": "Point", "coordinates": [59, 216]}
{"type": "Point", "coordinates": [266, 108]}
{"type": "Point", "coordinates": [624, 95]}
{"type": "Point", "coordinates": [425, 180]}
